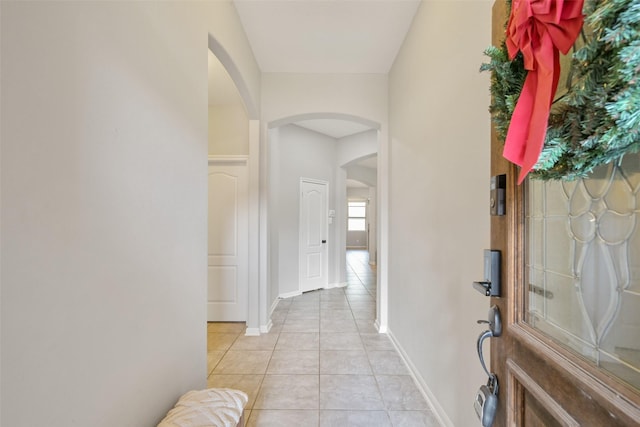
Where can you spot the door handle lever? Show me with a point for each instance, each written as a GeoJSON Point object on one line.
{"type": "Point", "coordinates": [484, 335]}
{"type": "Point", "coordinates": [495, 330]}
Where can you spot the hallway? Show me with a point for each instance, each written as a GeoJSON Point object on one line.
{"type": "Point", "coordinates": [322, 364]}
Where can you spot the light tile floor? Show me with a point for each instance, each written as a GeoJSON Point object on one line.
{"type": "Point", "coordinates": [322, 364]}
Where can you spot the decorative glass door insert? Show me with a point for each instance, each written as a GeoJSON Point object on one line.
{"type": "Point", "coordinates": [583, 265]}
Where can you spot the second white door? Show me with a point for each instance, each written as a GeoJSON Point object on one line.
{"type": "Point", "coordinates": [228, 241]}
{"type": "Point", "coordinates": [313, 259]}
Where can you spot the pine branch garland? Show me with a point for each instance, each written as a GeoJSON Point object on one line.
{"type": "Point", "coordinates": [598, 120]}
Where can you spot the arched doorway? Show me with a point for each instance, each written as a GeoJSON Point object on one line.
{"type": "Point", "coordinates": [243, 153]}
{"type": "Point", "coordinates": [284, 161]}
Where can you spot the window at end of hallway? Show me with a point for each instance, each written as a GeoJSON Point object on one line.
{"type": "Point", "coordinates": [357, 216]}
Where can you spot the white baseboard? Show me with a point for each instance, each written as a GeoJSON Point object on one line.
{"type": "Point", "coordinates": [381, 329]}
{"type": "Point", "coordinates": [438, 411]}
{"type": "Point", "coordinates": [290, 294]}
{"type": "Point", "coordinates": [266, 328]}
{"type": "Point", "coordinates": [252, 332]}
{"type": "Point", "coordinates": [273, 306]}
{"type": "Point", "coordinates": [336, 285]}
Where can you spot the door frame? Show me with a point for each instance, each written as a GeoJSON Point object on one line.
{"type": "Point", "coordinates": [325, 226]}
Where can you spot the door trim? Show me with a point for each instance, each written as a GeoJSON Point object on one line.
{"type": "Point", "coordinates": [517, 378]}
{"type": "Point", "coordinates": [591, 378]}
{"type": "Point", "coordinates": [239, 159]}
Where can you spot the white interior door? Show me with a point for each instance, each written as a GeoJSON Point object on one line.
{"type": "Point", "coordinates": [228, 241]}
{"type": "Point", "coordinates": [313, 235]}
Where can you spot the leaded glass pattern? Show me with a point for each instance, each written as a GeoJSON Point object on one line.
{"type": "Point", "coordinates": [583, 265]}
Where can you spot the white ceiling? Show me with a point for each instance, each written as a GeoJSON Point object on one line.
{"type": "Point", "coordinates": [318, 36]}
{"type": "Point", "coordinates": [326, 36]}
{"type": "Point", "coordinates": [352, 183]}
{"type": "Point", "coordinates": [369, 162]}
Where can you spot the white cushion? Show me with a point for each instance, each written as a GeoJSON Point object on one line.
{"type": "Point", "coordinates": [214, 407]}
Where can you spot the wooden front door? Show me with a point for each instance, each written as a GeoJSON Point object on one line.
{"type": "Point", "coordinates": [569, 353]}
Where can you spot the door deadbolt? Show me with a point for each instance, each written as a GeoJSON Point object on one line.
{"type": "Point", "coordinates": [490, 286]}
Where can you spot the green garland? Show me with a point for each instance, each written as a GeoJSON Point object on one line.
{"type": "Point", "coordinates": [598, 120]}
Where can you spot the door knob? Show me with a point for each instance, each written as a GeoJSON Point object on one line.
{"type": "Point", "coordinates": [494, 321]}
{"type": "Point", "coordinates": [324, 241]}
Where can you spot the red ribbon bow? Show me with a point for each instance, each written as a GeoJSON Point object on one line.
{"type": "Point", "coordinates": [537, 28]}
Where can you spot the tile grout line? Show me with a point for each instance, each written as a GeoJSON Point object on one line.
{"type": "Point", "coordinates": [375, 378]}
{"type": "Point", "coordinates": [319, 353]}
{"type": "Point", "coordinates": [264, 376]}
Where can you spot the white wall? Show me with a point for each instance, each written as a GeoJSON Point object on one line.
{"type": "Point", "coordinates": [373, 231]}
{"type": "Point", "coordinates": [340, 229]}
{"type": "Point", "coordinates": [362, 95]}
{"type": "Point", "coordinates": [104, 207]}
{"type": "Point", "coordinates": [228, 130]}
{"type": "Point", "coordinates": [439, 224]}
{"type": "Point", "coordinates": [360, 193]}
{"type": "Point", "coordinates": [225, 27]}
{"type": "Point", "coordinates": [301, 154]}
{"type": "Point", "coordinates": [356, 239]}
{"type": "Point", "coordinates": [274, 219]}
{"type": "Point", "coordinates": [367, 176]}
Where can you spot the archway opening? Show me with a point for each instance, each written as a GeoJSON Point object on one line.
{"type": "Point", "coordinates": [233, 150]}
{"type": "Point", "coordinates": [334, 147]}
